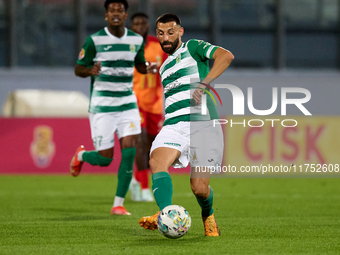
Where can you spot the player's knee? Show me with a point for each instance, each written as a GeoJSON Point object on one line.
{"type": "Point", "coordinates": [104, 161]}
{"type": "Point", "coordinates": [157, 165]}
{"type": "Point", "coordinates": [153, 164]}
{"type": "Point", "coordinates": [200, 191]}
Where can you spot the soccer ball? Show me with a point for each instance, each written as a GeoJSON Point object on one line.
{"type": "Point", "coordinates": [174, 221]}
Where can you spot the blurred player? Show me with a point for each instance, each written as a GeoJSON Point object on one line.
{"type": "Point", "coordinates": [149, 92]}
{"type": "Point", "coordinates": [109, 56]}
{"type": "Point", "coordinates": [174, 144]}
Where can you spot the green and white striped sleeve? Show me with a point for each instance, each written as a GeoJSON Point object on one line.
{"type": "Point", "coordinates": [201, 49]}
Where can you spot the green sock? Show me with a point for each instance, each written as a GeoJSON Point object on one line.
{"type": "Point", "coordinates": [207, 204]}
{"type": "Point", "coordinates": [93, 158]}
{"type": "Point", "coordinates": [162, 189]}
{"type": "Point", "coordinates": [125, 171]}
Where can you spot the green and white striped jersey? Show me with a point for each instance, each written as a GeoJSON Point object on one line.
{"type": "Point", "coordinates": [111, 91]}
{"type": "Point", "coordinates": [187, 65]}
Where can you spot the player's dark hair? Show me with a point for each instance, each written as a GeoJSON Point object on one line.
{"type": "Point", "coordinates": [107, 2]}
{"type": "Point", "coordinates": [168, 17]}
{"type": "Point", "coordinates": [139, 14]}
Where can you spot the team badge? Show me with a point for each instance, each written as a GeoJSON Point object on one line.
{"type": "Point", "coordinates": [42, 148]}
{"type": "Point", "coordinates": [178, 59]}
{"type": "Point", "coordinates": [81, 54]}
{"type": "Point", "coordinates": [132, 48]}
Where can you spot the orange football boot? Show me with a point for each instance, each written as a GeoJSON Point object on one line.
{"type": "Point", "coordinates": [210, 226]}
{"type": "Point", "coordinates": [149, 222]}
{"type": "Point", "coordinates": [75, 166]}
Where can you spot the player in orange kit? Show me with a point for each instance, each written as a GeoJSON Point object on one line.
{"type": "Point", "coordinates": [149, 93]}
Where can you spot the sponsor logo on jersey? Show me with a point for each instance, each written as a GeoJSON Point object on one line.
{"type": "Point", "coordinates": [42, 148]}
{"type": "Point", "coordinates": [206, 44]}
{"type": "Point", "coordinates": [108, 47]}
{"type": "Point", "coordinates": [173, 144]}
{"type": "Point", "coordinates": [132, 125]}
{"type": "Point", "coordinates": [81, 54]}
{"type": "Point", "coordinates": [194, 157]}
{"type": "Point", "coordinates": [132, 48]}
{"type": "Point", "coordinates": [171, 86]}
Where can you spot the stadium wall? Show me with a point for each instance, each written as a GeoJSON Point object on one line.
{"type": "Point", "coordinates": [46, 145]}
{"type": "Point", "coordinates": [323, 85]}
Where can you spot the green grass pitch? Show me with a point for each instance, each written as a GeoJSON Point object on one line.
{"type": "Point", "coordinates": [66, 215]}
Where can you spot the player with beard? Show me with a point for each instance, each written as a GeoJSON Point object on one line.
{"type": "Point", "coordinates": [186, 136]}
{"type": "Point", "coordinates": [109, 56]}
{"type": "Point", "coordinates": [149, 92]}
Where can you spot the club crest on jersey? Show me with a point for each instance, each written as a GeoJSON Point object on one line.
{"type": "Point", "coordinates": [178, 59]}
{"type": "Point", "coordinates": [132, 48]}
{"type": "Point", "coordinates": [81, 54]}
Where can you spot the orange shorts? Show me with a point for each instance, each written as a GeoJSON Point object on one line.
{"type": "Point", "coordinates": [151, 122]}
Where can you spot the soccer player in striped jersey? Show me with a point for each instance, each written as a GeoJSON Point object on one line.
{"type": "Point", "coordinates": [149, 92]}
{"type": "Point", "coordinates": [109, 56]}
{"type": "Point", "coordinates": [186, 136]}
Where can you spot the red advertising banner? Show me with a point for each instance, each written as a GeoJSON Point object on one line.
{"type": "Point", "coordinates": [310, 140]}
{"type": "Point", "coordinates": [46, 146]}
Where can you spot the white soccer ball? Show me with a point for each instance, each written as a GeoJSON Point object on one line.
{"type": "Point", "coordinates": [174, 221]}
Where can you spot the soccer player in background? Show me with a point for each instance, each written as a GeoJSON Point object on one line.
{"type": "Point", "coordinates": [187, 61]}
{"type": "Point", "coordinates": [149, 92]}
{"type": "Point", "coordinates": [109, 56]}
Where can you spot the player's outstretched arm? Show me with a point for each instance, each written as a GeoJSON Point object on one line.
{"type": "Point", "coordinates": [83, 71]}
{"type": "Point", "coordinates": [222, 59]}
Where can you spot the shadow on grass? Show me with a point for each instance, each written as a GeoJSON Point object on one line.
{"type": "Point", "coordinates": [154, 238]}
{"type": "Point", "coordinates": [160, 241]}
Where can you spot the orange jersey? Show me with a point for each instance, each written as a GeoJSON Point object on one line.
{"type": "Point", "coordinates": [148, 87]}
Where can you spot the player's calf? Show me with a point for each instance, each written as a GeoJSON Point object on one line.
{"type": "Point", "coordinates": [95, 159]}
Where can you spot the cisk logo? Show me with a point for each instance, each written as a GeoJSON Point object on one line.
{"type": "Point", "coordinates": [238, 100]}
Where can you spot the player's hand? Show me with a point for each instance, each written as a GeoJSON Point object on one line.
{"type": "Point", "coordinates": [151, 67]}
{"type": "Point", "coordinates": [197, 95]}
{"type": "Point", "coordinates": [95, 70]}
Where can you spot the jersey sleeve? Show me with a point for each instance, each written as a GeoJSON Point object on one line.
{"type": "Point", "coordinates": [201, 50]}
{"type": "Point", "coordinates": [87, 53]}
{"type": "Point", "coordinates": [139, 59]}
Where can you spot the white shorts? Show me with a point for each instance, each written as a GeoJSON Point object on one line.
{"type": "Point", "coordinates": [199, 142]}
{"type": "Point", "coordinates": [104, 125]}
